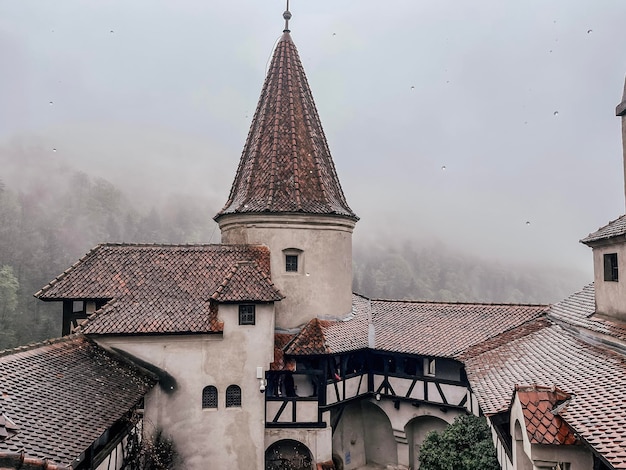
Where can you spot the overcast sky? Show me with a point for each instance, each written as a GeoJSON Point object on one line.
{"type": "Point", "coordinates": [516, 100]}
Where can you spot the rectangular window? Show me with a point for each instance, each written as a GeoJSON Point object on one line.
{"type": "Point", "coordinates": [291, 263]}
{"type": "Point", "coordinates": [246, 314]}
{"type": "Point", "coordinates": [610, 267]}
{"type": "Point", "coordinates": [429, 367]}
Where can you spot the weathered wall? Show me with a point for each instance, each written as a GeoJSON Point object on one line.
{"type": "Point", "coordinates": [372, 431]}
{"type": "Point", "coordinates": [230, 438]}
{"type": "Point", "coordinates": [322, 287]}
{"type": "Point", "coordinates": [417, 430]}
{"type": "Point", "coordinates": [348, 439]}
{"type": "Point", "coordinates": [610, 295]}
{"type": "Point", "coordinates": [318, 441]}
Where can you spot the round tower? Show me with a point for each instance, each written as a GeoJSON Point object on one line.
{"type": "Point", "coordinates": [286, 195]}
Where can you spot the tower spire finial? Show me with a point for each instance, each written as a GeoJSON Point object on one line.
{"type": "Point", "coordinates": [287, 16]}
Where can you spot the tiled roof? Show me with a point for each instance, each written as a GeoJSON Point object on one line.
{"type": "Point", "coordinates": [280, 341]}
{"type": "Point", "coordinates": [334, 337]}
{"type": "Point", "coordinates": [578, 310]}
{"type": "Point", "coordinates": [246, 282]}
{"type": "Point", "coordinates": [425, 328]}
{"type": "Point", "coordinates": [594, 376]}
{"type": "Point", "coordinates": [311, 340]}
{"type": "Point", "coordinates": [444, 329]}
{"type": "Point", "coordinates": [540, 407]}
{"type": "Point", "coordinates": [163, 288]}
{"type": "Point", "coordinates": [286, 166]}
{"type": "Point", "coordinates": [614, 228]}
{"type": "Point", "coordinates": [63, 394]}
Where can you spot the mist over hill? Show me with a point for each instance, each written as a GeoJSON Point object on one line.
{"type": "Point", "coordinates": [51, 214]}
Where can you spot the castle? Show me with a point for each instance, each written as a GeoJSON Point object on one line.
{"type": "Point", "coordinates": [255, 353]}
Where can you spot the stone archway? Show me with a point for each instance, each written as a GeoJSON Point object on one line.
{"type": "Point", "coordinates": [416, 431]}
{"type": "Point", "coordinates": [288, 454]}
{"type": "Point", "coordinates": [380, 444]}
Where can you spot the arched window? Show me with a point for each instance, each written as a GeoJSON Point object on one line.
{"type": "Point", "coordinates": [233, 396]}
{"type": "Point", "coordinates": [209, 397]}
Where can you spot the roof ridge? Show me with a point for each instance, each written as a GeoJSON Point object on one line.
{"type": "Point", "coordinates": [225, 282]}
{"type": "Point", "coordinates": [39, 344]}
{"type": "Point", "coordinates": [456, 303]}
{"type": "Point", "coordinates": [517, 331]}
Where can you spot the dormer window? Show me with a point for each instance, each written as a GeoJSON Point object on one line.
{"type": "Point", "coordinates": [246, 315]}
{"type": "Point", "coordinates": [610, 267]}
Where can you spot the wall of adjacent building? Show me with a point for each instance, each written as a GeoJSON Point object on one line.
{"type": "Point", "coordinates": [230, 438]}
{"type": "Point", "coordinates": [610, 294]}
{"type": "Point", "coordinates": [322, 287]}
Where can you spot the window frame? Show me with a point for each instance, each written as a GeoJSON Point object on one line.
{"type": "Point", "coordinates": [291, 263]}
{"type": "Point", "coordinates": [208, 402]}
{"type": "Point", "coordinates": [611, 267]}
{"type": "Point", "coordinates": [289, 256]}
{"type": "Point", "coordinates": [233, 396]}
{"type": "Point", "coordinates": [247, 317]}
{"type": "Point", "coordinates": [430, 367]}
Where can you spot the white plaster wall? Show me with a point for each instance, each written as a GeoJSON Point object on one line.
{"type": "Point", "coordinates": [349, 437]}
{"type": "Point", "coordinates": [610, 295]}
{"type": "Point", "coordinates": [322, 287]}
{"type": "Point", "coordinates": [503, 458]}
{"type": "Point", "coordinates": [319, 441]}
{"type": "Point", "coordinates": [230, 438]}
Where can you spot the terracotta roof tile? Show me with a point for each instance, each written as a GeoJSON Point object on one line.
{"type": "Point", "coordinates": [551, 356]}
{"type": "Point", "coordinates": [614, 228]}
{"type": "Point", "coordinates": [425, 328]}
{"type": "Point", "coordinates": [280, 341]}
{"type": "Point", "coordinates": [246, 282]}
{"type": "Point", "coordinates": [286, 165]}
{"type": "Point", "coordinates": [63, 394]}
{"type": "Point", "coordinates": [444, 329]}
{"type": "Point", "coordinates": [543, 424]}
{"type": "Point", "coordinates": [163, 288]}
{"type": "Point", "coordinates": [578, 310]}
{"type": "Point", "coordinates": [311, 340]}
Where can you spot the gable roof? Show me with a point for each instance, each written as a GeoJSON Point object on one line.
{"type": "Point", "coordinates": [540, 407]}
{"type": "Point", "coordinates": [614, 228]}
{"type": "Point", "coordinates": [443, 329]}
{"type": "Point", "coordinates": [286, 166]}
{"type": "Point", "coordinates": [551, 356]}
{"type": "Point", "coordinates": [63, 394]}
{"type": "Point", "coordinates": [164, 288]}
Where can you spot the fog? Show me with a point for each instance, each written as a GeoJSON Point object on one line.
{"type": "Point", "coordinates": [487, 126]}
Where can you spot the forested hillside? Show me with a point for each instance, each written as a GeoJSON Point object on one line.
{"type": "Point", "coordinates": [45, 229]}
{"type": "Point", "coordinates": [48, 223]}
{"type": "Point", "coordinates": [433, 271]}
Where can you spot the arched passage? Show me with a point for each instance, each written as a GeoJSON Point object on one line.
{"type": "Point", "coordinates": [416, 431]}
{"type": "Point", "coordinates": [380, 445]}
{"type": "Point", "coordinates": [288, 453]}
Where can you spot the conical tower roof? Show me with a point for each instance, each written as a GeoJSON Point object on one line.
{"type": "Point", "coordinates": [286, 166]}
